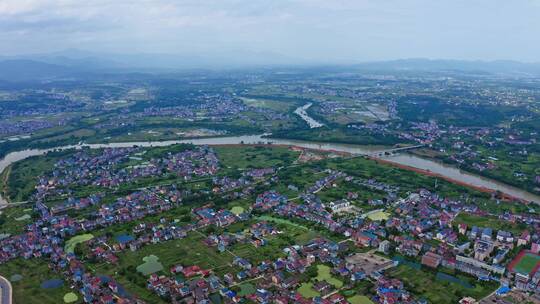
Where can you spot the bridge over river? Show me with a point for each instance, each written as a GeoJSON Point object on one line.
{"type": "Point", "coordinates": [391, 155]}
{"type": "Point", "coordinates": [392, 151]}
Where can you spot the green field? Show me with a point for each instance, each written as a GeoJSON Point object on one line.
{"type": "Point", "coordinates": [188, 251]}
{"type": "Point", "coordinates": [323, 274]}
{"type": "Point", "coordinates": [237, 210]}
{"type": "Point", "coordinates": [28, 289]}
{"type": "Point", "coordinates": [21, 177]}
{"type": "Point", "coordinates": [72, 243]}
{"type": "Point", "coordinates": [277, 105]}
{"type": "Point", "coordinates": [246, 289]}
{"type": "Point", "coordinates": [343, 188]}
{"type": "Point", "coordinates": [151, 265]}
{"type": "Point", "coordinates": [281, 221]}
{"type": "Point", "coordinates": [378, 216]}
{"type": "Point", "coordinates": [527, 263]}
{"type": "Point", "coordinates": [424, 284]}
{"type": "Point", "coordinates": [359, 300]}
{"type": "Point", "coordinates": [14, 219]}
{"type": "Point", "coordinates": [255, 156]}
{"type": "Point", "coordinates": [70, 297]}
{"type": "Point", "coordinates": [488, 221]}
{"type": "Point", "coordinates": [292, 233]}
{"type": "Point", "coordinates": [307, 291]}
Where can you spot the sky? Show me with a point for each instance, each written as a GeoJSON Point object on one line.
{"type": "Point", "coordinates": [315, 30]}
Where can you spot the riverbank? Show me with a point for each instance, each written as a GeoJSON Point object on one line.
{"type": "Point", "coordinates": [406, 161]}
{"type": "Point", "coordinates": [448, 179]}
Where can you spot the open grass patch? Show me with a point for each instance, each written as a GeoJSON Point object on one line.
{"type": "Point", "coordinates": [29, 275]}
{"type": "Point", "coordinates": [72, 243]}
{"type": "Point", "coordinates": [237, 210]}
{"type": "Point", "coordinates": [245, 157]}
{"type": "Point", "coordinates": [70, 297]}
{"type": "Point", "coordinates": [323, 274]}
{"type": "Point", "coordinates": [424, 284]}
{"type": "Point", "coordinates": [378, 215]}
{"type": "Point", "coordinates": [151, 265]}
{"type": "Point", "coordinates": [488, 221]}
{"type": "Point", "coordinates": [246, 289]}
{"type": "Point", "coordinates": [187, 252]}
{"type": "Point", "coordinates": [281, 221]}
{"type": "Point", "coordinates": [307, 291]}
{"type": "Point", "coordinates": [358, 299]}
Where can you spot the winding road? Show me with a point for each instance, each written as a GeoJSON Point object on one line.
{"type": "Point", "coordinates": [6, 292]}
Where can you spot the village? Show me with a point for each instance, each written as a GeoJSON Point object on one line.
{"type": "Point", "coordinates": [356, 252]}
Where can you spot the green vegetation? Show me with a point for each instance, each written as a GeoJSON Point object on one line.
{"type": "Point", "coordinates": [338, 134]}
{"type": "Point", "coordinates": [74, 241]}
{"type": "Point", "coordinates": [307, 291]}
{"type": "Point", "coordinates": [527, 263]}
{"type": "Point", "coordinates": [70, 297]}
{"type": "Point", "coordinates": [237, 210]}
{"type": "Point", "coordinates": [292, 234]}
{"type": "Point", "coordinates": [359, 300]}
{"type": "Point", "coordinates": [28, 290]}
{"type": "Point", "coordinates": [244, 157]}
{"type": "Point", "coordinates": [488, 221]}
{"type": "Point", "coordinates": [158, 258]}
{"type": "Point", "coordinates": [408, 181]}
{"type": "Point", "coordinates": [323, 274]}
{"type": "Point", "coordinates": [424, 108]}
{"type": "Point", "coordinates": [281, 221]}
{"type": "Point", "coordinates": [14, 219]}
{"type": "Point", "coordinates": [423, 283]}
{"type": "Point", "coordinates": [21, 176]}
{"type": "Point", "coordinates": [378, 216]}
{"type": "Point", "coordinates": [151, 265]}
{"type": "Point", "coordinates": [188, 251]}
{"type": "Point", "coordinates": [246, 289]}
{"type": "Point", "coordinates": [277, 105]}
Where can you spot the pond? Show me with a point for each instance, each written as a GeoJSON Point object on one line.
{"type": "Point", "coordinates": [449, 278]}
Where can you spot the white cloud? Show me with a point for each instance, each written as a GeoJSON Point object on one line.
{"type": "Point", "coordinates": [365, 29]}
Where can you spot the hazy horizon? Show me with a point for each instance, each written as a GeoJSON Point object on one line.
{"type": "Point", "coordinates": [311, 31]}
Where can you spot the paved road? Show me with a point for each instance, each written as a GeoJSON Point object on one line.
{"type": "Point", "coordinates": [5, 291]}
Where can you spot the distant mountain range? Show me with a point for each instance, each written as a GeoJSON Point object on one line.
{"type": "Point", "coordinates": [77, 63]}
{"type": "Point", "coordinates": [422, 64]}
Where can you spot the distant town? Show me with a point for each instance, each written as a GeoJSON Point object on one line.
{"type": "Point", "coordinates": [306, 186]}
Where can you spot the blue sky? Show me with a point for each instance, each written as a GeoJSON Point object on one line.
{"type": "Point", "coordinates": [320, 30]}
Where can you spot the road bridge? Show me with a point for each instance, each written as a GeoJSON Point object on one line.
{"type": "Point", "coordinates": [391, 151]}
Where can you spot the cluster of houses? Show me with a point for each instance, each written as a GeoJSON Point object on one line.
{"type": "Point", "coordinates": [479, 251]}
{"type": "Point", "coordinates": [180, 288]}
{"type": "Point", "coordinates": [326, 181]}
{"type": "Point", "coordinates": [83, 168]}
{"type": "Point", "coordinates": [256, 235]}
{"type": "Point", "coordinates": [221, 218]}
{"type": "Point", "coordinates": [45, 241]}
{"type": "Point", "coordinates": [8, 128]}
{"type": "Point", "coordinates": [276, 281]}
{"type": "Point", "coordinates": [420, 220]}
{"type": "Point", "coordinates": [217, 107]}
{"type": "Point", "coordinates": [104, 170]}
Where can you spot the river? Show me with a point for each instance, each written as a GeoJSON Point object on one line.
{"type": "Point", "coordinates": [302, 112]}
{"type": "Point", "coordinates": [401, 159]}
